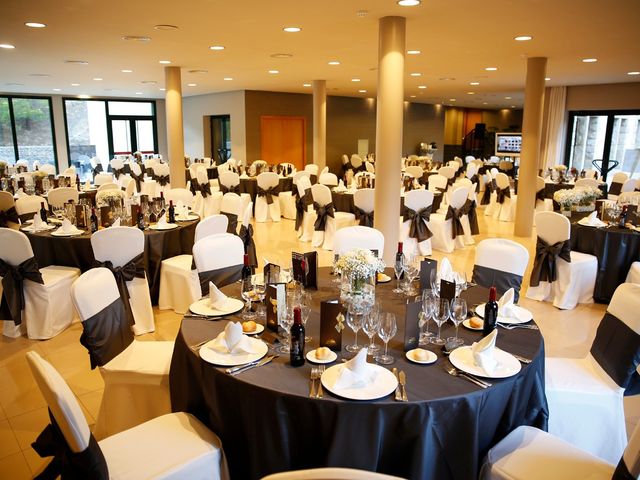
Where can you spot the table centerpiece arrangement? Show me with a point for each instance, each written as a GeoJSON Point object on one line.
{"type": "Point", "coordinates": [581, 199]}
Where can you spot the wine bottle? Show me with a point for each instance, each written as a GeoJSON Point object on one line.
{"type": "Point", "coordinates": [490, 313]}
{"type": "Point", "coordinates": [400, 260]}
{"type": "Point", "coordinates": [296, 348]}
{"type": "Point", "coordinates": [172, 212]}
{"type": "Point", "coordinates": [93, 221]}
{"type": "Point", "coordinates": [622, 220]}
{"type": "Point", "coordinates": [43, 212]}
{"type": "Point", "coordinates": [140, 219]}
{"type": "Point", "coordinates": [246, 269]}
{"type": "Point", "coordinates": [162, 201]}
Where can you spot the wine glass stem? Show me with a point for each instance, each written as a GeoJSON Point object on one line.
{"type": "Point", "coordinates": [439, 327]}
{"type": "Point", "coordinates": [356, 337]}
{"type": "Point", "coordinates": [386, 344]}
{"type": "Point", "coordinates": [457, 325]}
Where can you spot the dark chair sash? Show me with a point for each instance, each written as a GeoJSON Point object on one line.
{"type": "Point", "coordinates": [194, 186]}
{"type": "Point", "coordinates": [503, 193]}
{"type": "Point", "coordinates": [117, 172]}
{"type": "Point", "coordinates": [163, 180]}
{"type": "Point", "coordinates": [232, 224]}
{"type": "Point", "coordinates": [544, 265]}
{"type": "Point", "coordinates": [469, 209]}
{"type": "Point", "coordinates": [246, 234]}
{"type": "Point", "coordinates": [454, 214]}
{"type": "Point", "coordinates": [622, 472]}
{"type": "Point", "coordinates": [486, 196]}
{"type": "Point", "coordinates": [418, 227]}
{"type": "Point", "coordinates": [134, 268]}
{"type": "Point", "coordinates": [9, 215]}
{"type": "Point", "coordinates": [301, 206]}
{"type": "Point", "coordinates": [269, 193]}
{"type": "Point", "coordinates": [90, 463]}
{"type": "Point", "coordinates": [615, 189]}
{"type": "Point", "coordinates": [540, 195]}
{"type": "Point", "coordinates": [323, 213]}
{"type": "Point", "coordinates": [96, 170]}
{"type": "Point", "coordinates": [106, 334]}
{"type": "Point", "coordinates": [220, 277]}
{"type": "Point", "coordinates": [475, 179]}
{"type": "Point", "coordinates": [13, 278]}
{"type": "Point", "coordinates": [138, 179]}
{"type": "Point", "coordinates": [365, 219]}
{"type": "Point", "coordinates": [233, 189]}
{"type": "Point", "coordinates": [205, 189]}
{"type": "Point", "coordinates": [503, 281]}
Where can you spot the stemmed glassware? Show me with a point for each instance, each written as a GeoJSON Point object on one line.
{"type": "Point", "coordinates": [458, 313]}
{"type": "Point", "coordinates": [434, 280]}
{"type": "Point", "coordinates": [398, 269]}
{"type": "Point", "coordinates": [370, 326]}
{"type": "Point", "coordinates": [305, 311]}
{"type": "Point", "coordinates": [428, 306]}
{"type": "Point", "coordinates": [260, 291]}
{"type": "Point", "coordinates": [411, 270]}
{"type": "Point", "coordinates": [247, 292]}
{"type": "Point", "coordinates": [286, 321]}
{"type": "Point", "coordinates": [354, 320]}
{"type": "Point", "coordinates": [388, 329]}
{"type": "Point", "coordinates": [440, 315]}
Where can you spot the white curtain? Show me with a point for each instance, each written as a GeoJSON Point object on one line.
{"type": "Point", "coordinates": [553, 134]}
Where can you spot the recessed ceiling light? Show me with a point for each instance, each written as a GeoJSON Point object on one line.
{"type": "Point", "coordinates": [148, 82]}
{"type": "Point", "coordinates": [355, 79]}
{"type": "Point", "coordinates": [199, 71]}
{"type": "Point", "coordinates": [507, 98]}
{"type": "Point", "coordinates": [334, 62]}
{"type": "Point", "coordinates": [474, 83]}
{"type": "Point", "coordinates": [227, 79]}
{"type": "Point", "coordinates": [192, 84]}
{"type": "Point", "coordinates": [633, 73]}
{"type": "Point", "coordinates": [485, 103]}
{"type": "Point", "coordinates": [413, 52]}
{"type": "Point", "coordinates": [416, 74]}
{"type": "Point", "coordinates": [136, 38]}
{"type": "Point", "coordinates": [408, 3]}
{"type": "Point", "coordinates": [76, 62]}
{"type": "Point", "coordinates": [216, 47]}
{"type": "Point", "coordinates": [523, 38]}
{"type": "Point", "coordinates": [491, 69]}
{"type": "Point", "coordinates": [126, 71]}
{"type": "Point", "coordinates": [57, 89]}
{"type": "Point", "coordinates": [165, 27]}
{"type": "Point", "coordinates": [7, 46]}
{"type": "Point", "coordinates": [306, 85]}
{"type": "Point", "coordinates": [412, 96]}
{"type": "Point", "coordinates": [513, 106]}
{"type": "Point", "coordinates": [162, 89]}
{"type": "Point", "coordinates": [281, 55]}
{"type": "Point", "coordinates": [273, 72]}
{"type": "Point", "coordinates": [138, 93]}
{"type": "Point", "coordinates": [422, 87]}
{"type": "Point", "coordinates": [292, 29]}
{"type": "Point", "coordinates": [362, 91]}
{"type": "Point", "coordinates": [98, 79]}
{"type": "Point", "coordinates": [164, 62]}
{"type": "Point", "coordinates": [547, 78]}
{"type": "Point", "coordinates": [39, 75]}
{"type": "Point", "coordinates": [589, 60]}
{"type": "Point", "coordinates": [75, 84]}
{"type": "Point", "coordinates": [84, 95]}
{"type": "Point", "coordinates": [452, 99]}
{"type": "Point", "coordinates": [471, 93]}
{"type": "Point", "coordinates": [35, 24]}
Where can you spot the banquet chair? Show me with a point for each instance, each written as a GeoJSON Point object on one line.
{"type": "Point", "coordinates": [8, 214]}
{"type": "Point", "coordinates": [449, 173]}
{"type": "Point", "coordinates": [370, 167]}
{"type": "Point", "coordinates": [350, 238]}
{"type": "Point", "coordinates": [121, 249]}
{"type": "Point", "coordinates": [305, 213]}
{"type": "Point", "coordinates": [288, 199]}
{"type": "Point", "coordinates": [312, 169]}
{"type": "Point", "coordinates": [135, 373]}
{"type": "Point", "coordinates": [161, 174]}
{"type": "Point", "coordinates": [230, 182]}
{"type": "Point", "coordinates": [629, 186]}
{"type": "Point", "coordinates": [528, 453]}
{"type": "Point", "coordinates": [415, 232]}
{"type": "Point", "coordinates": [179, 195]}
{"type": "Point", "coordinates": [586, 182]}
{"type": "Point", "coordinates": [542, 204]}
{"type": "Point", "coordinates": [57, 197]}
{"type": "Point", "coordinates": [438, 185]}
{"type": "Point", "coordinates": [48, 169]}
{"type": "Point", "coordinates": [472, 174]}
{"type": "Point", "coordinates": [488, 198]}
{"type": "Point", "coordinates": [108, 186]}
{"type": "Point", "coordinates": [633, 276]}
{"type": "Point", "coordinates": [47, 307]}
{"type": "Point", "coordinates": [330, 473]}
{"type": "Point", "coordinates": [267, 201]}
{"type": "Point", "coordinates": [205, 202]}
{"type": "Point", "coordinates": [615, 188]}
{"type": "Point", "coordinates": [628, 197]}
{"type": "Point", "coordinates": [364, 202]}
{"type": "Point", "coordinates": [347, 170]}
{"type": "Point", "coordinates": [118, 170]}
{"type": "Point", "coordinates": [505, 209]}
{"type": "Point", "coordinates": [591, 173]}
{"type": "Point", "coordinates": [324, 170]}
{"type": "Point", "coordinates": [559, 275]}
{"type": "Point", "coordinates": [327, 219]}
{"type": "Point", "coordinates": [328, 179]}
{"type": "Point", "coordinates": [175, 445]}
{"type": "Point", "coordinates": [447, 236]}
{"type": "Point", "coordinates": [585, 395]}
{"type": "Point", "coordinates": [246, 235]}
{"type": "Point", "coordinates": [231, 207]}
{"type": "Point", "coordinates": [179, 284]}
{"type": "Point", "coordinates": [415, 171]}
{"type": "Point", "coordinates": [500, 263]}
{"type": "Point", "coordinates": [219, 259]}
{"type": "Point", "coordinates": [29, 205]}
{"type": "Point", "coordinates": [136, 173]}
{"type": "Point", "coordinates": [357, 163]}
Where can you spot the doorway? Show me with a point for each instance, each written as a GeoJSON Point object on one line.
{"type": "Point", "coordinates": [283, 139]}
{"type": "Point", "coordinates": [220, 138]}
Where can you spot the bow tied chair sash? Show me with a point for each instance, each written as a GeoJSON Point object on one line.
{"type": "Point", "coordinates": [486, 196]}
{"type": "Point", "coordinates": [544, 265]}
{"type": "Point", "coordinates": [232, 224]}
{"type": "Point", "coordinates": [503, 281]}
{"type": "Point", "coordinates": [455, 214]}
{"type": "Point", "coordinates": [451, 181]}
{"type": "Point", "coordinates": [13, 277]}
{"type": "Point", "coordinates": [347, 166]}
{"type": "Point", "coordinates": [476, 180]}
{"type": "Point", "coordinates": [230, 189]}
{"type": "Point", "coordinates": [163, 180]}
{"type": "Point", "coordinates": [148, 171]}
{"type": "Point", "coordinates": [323, 213]}
{"type": "Point", "coordinates": [418, 227]}
{"type": "Point", "coordinates": [540, 195]}
{"type": "Point", "coordinates": [469, 209]}
{"type": "Point", "coordinates": [365, 219]}
{"type": "Point", "coordinates": [90, 463]}
{"type": "Point", "coordinates": [269, 193]}
{"type": "Point", "coordinates": [138, 179]}
{"type": "Point", "coordinates": [301, 206]}
{"type": "Point", "coordinates": [194, 186]}
{"type": "Point", "coordinates": [502, 193]}
{"type": "Point", "coordinates": [205, 189]}
{"type": "Point", "coordinates": [96, 170]}
{"type": "Point", "coordinates": [130, 270]}
{"type": "Point", "coordinates": [616, 188]}
{"type": "Point", "coordinates": [246, 235]}
{"type": "Point", "coordinates": [117, 172]}
{"type": "Point", "coordinates": [220, 277]}
{"type": "Point", "coordinates": [9, 215]}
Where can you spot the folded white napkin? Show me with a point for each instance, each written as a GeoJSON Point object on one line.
{"type": "Point", "coordinates": [446, 270]}
{"type": "Point", "coordinates": [217, 299]}
{"type": "Point", "coordinates": [20, 193]}
{"type": "Point", "coordinates": [37, 224]}
{"type": "Point", "coordinates": [356, 373]}
{"type": "Point", "coordinates": [87, 185]}
{"type": "Point", "coordinates": [340, 184]}
{"type": "Point", "coordinates": [162, 222]}
{"type": "Point", "coordinates": [181, 209]}
{"type": "Point", "coordinates": [244, 175]}
{"type": "Point", "coordinates": [483, 352]}
{"type": "Point", "coordinates": [505, 305]}
{"type": "Point", "coordinates": [592, 220]}
{"type": "Point", "coordinates": [232, 341]}
{"type": "Point", "coordinates": [67, 226]}
{"type": "Point", "coordinates": [116, 223]}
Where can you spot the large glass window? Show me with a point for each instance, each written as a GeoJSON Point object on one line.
{"type": "Point", "coordinates": [26, 130]}
{"type": "Point", "coordinates": [86, 134]}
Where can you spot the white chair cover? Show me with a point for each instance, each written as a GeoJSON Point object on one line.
{"type": "Point", "coordinates": [542, 205]}
{"type": "Point", "coordinates": [264, 210]}
{"type": "Point", "coordinates": [322, 197]}
{"type": "Point", "coordinates": [415, 171]}
{"type": "Point", "coordinates": [221, 252]}
{"type": "Point", "coordinates": [305, 232]}
{"type": "Point", "coordinates": [501, 255]}
{"type": "Point", "coordinates": [329, 179]}
{"type": "Point", "coordinates": [48, 169]}
{"type": "Point", "coordinates": [634, 273]}
{"type": "Point", "coordinates": [102, 178]}
{"type": "Point", "coordinates": [311, 168]}
{"type": "Point", "coordinates": [162, 170]}
{"type": "Point", "coordinates": [232, 180]}
{"type": "Point", "coordinates": [179, 195]}
{"type": "Point", "coordinates": [505, 211]}
{"type": "Point", "coordinates": [586, 182]}
{"type": "Point", "coordinates": [416, 200]}
{"type": "Point", "coordinates": [57, 197]}
{"type": "Point", "coordinates": [330, 473]}
{"type": "Point", "coordinates": [209, 205]}
{"type": "Point", "coordinates": [30, 204]}
{"type": "Point", "coordinates": [364, 201]}
{"type": "Point", "coordinates": [442, 228]}
{"type": "Point", "coordinates": [629, 185]}
{"type": "Point", "coordinates": [108, 186]}
{"type": "Point", "coordinates": [232, 204]}
{"type": "Point", "coordinates": [350, 238]}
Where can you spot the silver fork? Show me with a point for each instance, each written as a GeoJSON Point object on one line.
{"type": "Point", "coordinates": [517, 325]}
{"type": "Point", "coordinates": [457, 373]}
{"type": "Point", "coordinates": [312, 382]}
{"type": "Point", "coordinates": [197, 346]}
{"type": "Point", "coordinates": [320, 371]}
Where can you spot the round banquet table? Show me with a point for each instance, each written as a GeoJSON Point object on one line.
{"type": "Point", "coordinates": [250, 186]}
{"type": "Point", "coordinates": [77, 252]}
{"type": "Point", "coordinates": [615, 248]}
{"type": "Point", "coordinates": [267, 422]}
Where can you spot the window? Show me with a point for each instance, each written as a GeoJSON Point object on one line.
{"type": "Point", "coordinates": [86, 134]}
{"type": "Point", "coordinates": [608, 141]}
{"type": "Point", "coordinates": [26, 130]}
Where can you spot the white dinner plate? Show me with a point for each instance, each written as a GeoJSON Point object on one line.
{"type": "Point", "coordinates": [229, 360]}
{"type": "Point", "coordinates": [202, 307]}
{"type": "Point", "coordinates": [168, 226]}
{"type": "Point", "coordinates": [467, 324]}
{"type": "Point", "coordinates": [259, 329]}
{"type": "Point", "coordinates": [188, 218]}
{"type": "Point", "coordinates": [44, 228]}
{"type": "Point", "coordinates": [384, 384]}
{"type": "Point", "coordinates": [508, 365]}
{"type": "Point", "coordinates": [73, 233]}
{"type": "Point", "coordinates": [311, 356]}
{"type": "Point", "coordinates": [523, 314]}
{"type": "Point", "coordinates": [431, 357]}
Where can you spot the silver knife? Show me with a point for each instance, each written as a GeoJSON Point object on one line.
{"type": "Point", "coordinates": [249, 366]}
{"type": "Point", "coordinates": [403, 382]}
{"type": "Point", "coordinates": [398, 395]}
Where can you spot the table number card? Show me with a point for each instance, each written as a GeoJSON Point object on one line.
{"type": "Point", "coordinates": [106, 216]}
{"type": "Point", "coordinates": [632, 215]}
{"type": "Point", "coordinates": [305, 268]}
{"type": "Point", "coordinates": [332, 323]}
{"type": "Point", "coordinates": [411, 328]}
{"type": "Point", "coordinates": [426, 266]}
{"type": "Point", "coordinates": [447, 290]}
{"type": "Point", "coordinates": [271, 273]}
{"type": "Point", "coordinates": [81, 219]}
{"type": "Point", "coordinates": [275, 298]}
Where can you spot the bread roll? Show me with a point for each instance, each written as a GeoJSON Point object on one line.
{"type": "Point", "coordinates": [420, 354]}
{"type": "Point", "coordinates": [476, 322]}
{"type": "Point", "coordinates": [322, 353]}
{"type": "Point", "coordinates": [249, 326]}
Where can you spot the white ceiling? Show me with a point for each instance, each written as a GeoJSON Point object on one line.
{"type": "Point", "coordinates": [457, 39]}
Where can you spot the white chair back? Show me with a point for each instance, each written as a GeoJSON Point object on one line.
{"type": "Point", "coordinates": [369, 166]}
{"type": "Point", "coordinates": [629, 197]}
{"type": "Point", "coordinates": [364, 199]}
{"type": "Point", "coordinates": [625, 304]}
{"type": "Point", "coordinates": [231, 203]}
{"type": "Point", "coordinates": [553, 227]}
{"type": "Point", "coordinates": [472, 169]}
{"type": "Point", "coordinates": [463, 182]}
{"type": "Point", "coordinates": [83, 292]}
{"type": "Point", "coordinates": [30, 204]}
{"type": "Point", "coordinates": [469, 158]}
{"type": "Point", "coordinates": [629, 185]}
{"type": "Point", "coordinates": [311, 168]}
{"type": "Point", "coordinates": [619, 177]}
{"type": "Point", "coordinates": [350, 238]}
{"type": "Point", "coordinates": [586, 182]}
{"type": "Point", "coordinates": [321, 194]}
{"type": "Point", "coordinates": [229, 179]}
{"type": "Point", "coordinates": [218, 251]}
{"type": "Point", "coordinates": [329, 179]}
{"type": "Point", "coordinates": [324, 170]}
{"type": "Point", "coordinates": [502, 180]}
{"type": "Point", "coordinates": [116, 163]}
{"type": "Point", "coordinates": [246, 216]}
{"type": "Point", "coordinates": [201, 175]}
{"type": "Point", "coordinates": [57, 197]}
{"type": "Point", "coordinates": [502, 254]}
{"type": "Point", "coordinates": [591, 173]}
{"type": "Point", "coordinates": [298, 175]}
{"type": "Point", "coordinates": [179, 195]}
{"type": "Point", "coordinates": [48, 169]}
{"type": "Point", "coordinates": [211, 225]}
{"type": "Point", "coordinates": [539, 183]}
{"type": "Point", "coordinates": [304, 184]}
{"type": "Point", "coordinates": [108, 186]}
{"type": "Point", "coordinates": [458, 197]}
{"type": "Point", "coordinates": [418, 199]}
{"type": "Point", "coordinates": [437, 181]}
{"type": "Point", "coordinates": [117, 244]}
{"type": "Point", "coordinates": [494, 172]}
{"type": "Point", "coordinates": [6, 200]}
{"type": "Point", "coordinates": [26, 176]}
{"type": "Point", "coordinates": [356, 161]}
{"type": "Point", "coordinates": [16, 247]}
{"type": "Point", "coordinates": [135, 168]}
{"type": "Point", "coordinates": [447, 172]}
{"type": "Point", "coordinates": [268, 180]}
{"type": "Point", "coordinates": [415, 171]}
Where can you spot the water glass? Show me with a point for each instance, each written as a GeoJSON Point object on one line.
{"type": "Point", "coordinates": [286, 321]}
{"type": "Point", "coordinates": [247, 292]}
{"type": "Point", "coordinates": [398, 269]}
{"type": "Point", "coordinates": [388, 329]}
{"type": "Point", "coordinates": [411, 271]}
{"type": "Point", "coordinates": [428, 300]}
{"type": "Point", "coordinates": [260, 291]}
{"type": "Point", "coordinates": [371, 326]}
{"type": "Point", "coordinates": [458, 313]}
{"type": "Point", "coordinates": [440, 315]}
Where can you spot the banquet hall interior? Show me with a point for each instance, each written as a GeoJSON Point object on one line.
{"type": "Point", "coordinates": [149, 151]}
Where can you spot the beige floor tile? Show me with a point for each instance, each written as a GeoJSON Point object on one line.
{"type": "Point", "coordinates": [34, 461]}
{"type": "Point", "coordinates": [15, 467]}
{"type": "Point", "coordinates": [28, 426]}
{"type": "Point", "coordinates": [69, 337]}
{"type": "Point", "coordinates": [13, 349]}
{"type": "Point", "coordinates": [8, 442]}
{"type": "Point", "coordinates": [91, 403]}
{"type": "Point", "coordinates": [18, 393]}
{"type": "Point", "coordinates": [73, 364]}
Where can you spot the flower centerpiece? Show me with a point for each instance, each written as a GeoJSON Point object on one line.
{"type": "Point", "coordinates": [109, 198]}
{"type": "Point", "coordinates": [581, 199]}
{"type": "Point", "coordinates": [561, 170]}
{"type": "Point", "coordinates": [360, 265]}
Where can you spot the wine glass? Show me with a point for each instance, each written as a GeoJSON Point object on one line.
{"type": "Point", "coordinates": [461, 282]}
{"type": "Point", "coordinates": [286, 321]}
{"type": "Point", "coordinates": [388, 329]}
{"type": "Point", "coordinates": [411, 270]}
{"type": "Point", "coordinates": [398, 269]}
{"type": "Point", "coordinates": [305, 311]}
{"type": "Point", "coordinates": [428, 297]}
{"type": "Point", "coordinates": [440, 315]}
{"type": "Point", "coordinates": [354, 320]}
{"type": "Point", "coordinates": [434, 280]}
{"type": "Point", "coordinates": [260, 290]}
{"type": "Point", "coordinates": [247, 292]}
{"type": "Point", "coordinates": [458, 314]}
{"type": "Point", "coordinates": [370, 326]}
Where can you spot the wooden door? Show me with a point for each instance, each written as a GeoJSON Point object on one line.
{"type": "Point", "coordinates": [283, 139]}
{"type": "Point", "coordinates": [471, 117]}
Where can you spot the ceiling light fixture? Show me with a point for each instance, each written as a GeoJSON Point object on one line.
{"type": "Point", "coordinates": [281, 55]}
{"type": "Point", "coordinates": [84, 95]}
{"type": "Point", "coordinates": [227, 79]}
{"type": "Point", "coordinates": [274, 72]}
{"type": "Point", "coordinates": [416, 74]}
{"type": "Point", "coordinates": [334, 62]}
{"type": "Point", "coordinates": [162, 89]}
{"type": "Point", "coordinates": [75, 84]}
{"type": "Point", "coordinates": [199, 71]}
{"type": "Point", "coordinates": [471, 93]}
{"type": "Point", "coordinates": [7, 46]}
{"type": "Point", "coordinates": [192, 84]}
{"type": "Point", "coordinates": [216, 47]}
{"type": "Point", "coordinates": [362, 91]}
{"type": "Point", "coordinates": [97, 79]}
{"type": "Point", "coordinates": [547, 78]}
{"type": "Point", "coordinates": [126, 71]}
{"type": "Point", "coordinates": [292, 29]}
{"type": "Point", "coordinates": [408, 3]}
{"type": "Point", "coordinates": [164, 62]}
{"type": "Point", "coordinates": [513, 106]}
{"type": "Point", "coordinates": [491, 69]}
{"type": "Point", "coordinates": [165, 27]}
{"type": "Point", "coordinates": [136, 38]}
{"type": "Point", "coordinates": [474, 83]}
{"type": "Point", "coordinates": [633, 73]}
{"type": "Point", "coordinates": [522, 38]}
{"type": "Point", "coordinates": [56, 89]}
{"type": "Point", "coordinates": [452, 99]}
{"type": "Point", "coordinates": [422, 87]}
{"type": "Point", "coordinates": [507, 98]}
{"type": "Point", "coordinates": [412, 96]}
{"type": "Point", "coordinates": [138, 93]}
{"type": "Point", "coordinates": [307, 85]}
{"type": "Point", "coordinates": [589, 60]}
{"type": "Point", "coordinates": [355, 79]}
{"type": "Point", "coordinates": [413, 52]}
{"type": "Point", "coordinates": [76, 62]}
{"type": "Point", "coordinates": [35, 24]}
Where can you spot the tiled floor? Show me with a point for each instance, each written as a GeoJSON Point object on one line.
{"type": "Point", "coordinates": [23, 412]}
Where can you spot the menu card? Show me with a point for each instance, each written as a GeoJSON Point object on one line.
{"type": "Point", "coordinates": [332, 322]}
{"type": "Point", "coordinates": [275, 299]}
{"type": "Point", "coordinates": [447, 290]}
{"type": "Point", "coordinates": [81, 216]}
{"type": "Point", "coordinates": [305, 268]}
{"type": "Point", "coordinates": [106, 216]}
{"type": "Point", "coordinates": [632, 215]}
{"type": "Point", "coordinates": [411, 328]}
{"type": "Point", "coordinates": [426, 266]}
{"type": "Point", "coordinates": [271, 273]}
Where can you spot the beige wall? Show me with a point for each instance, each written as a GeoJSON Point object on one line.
{"type": "Point", "coordinates": [453, 126]}
{"type": "Point", "coordinates": [616, 96]}
{"type": "Point", "coordinates": [506, 119]}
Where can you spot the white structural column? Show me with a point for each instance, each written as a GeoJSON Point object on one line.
{"type": "Point", "coordinates": [175, 132]}
{"type": "Point", "coordinates": [389, 119]}
{"type": "Point", "coordinates": [531, 135]}
{"type": "Point", "coordinates": [320, 123]}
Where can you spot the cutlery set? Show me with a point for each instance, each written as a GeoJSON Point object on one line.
{"type": "Point", "coordinates": [315, 375]}
{"type": "Point", "coordinates": [401, 389]}
{"type": "Point", "coordinates": [249, 366]}
{"type": "Point", "coordinates": [451, 370]}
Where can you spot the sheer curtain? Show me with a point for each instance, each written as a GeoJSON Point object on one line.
{"type": "Point", "coordinates": [553, 133]}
